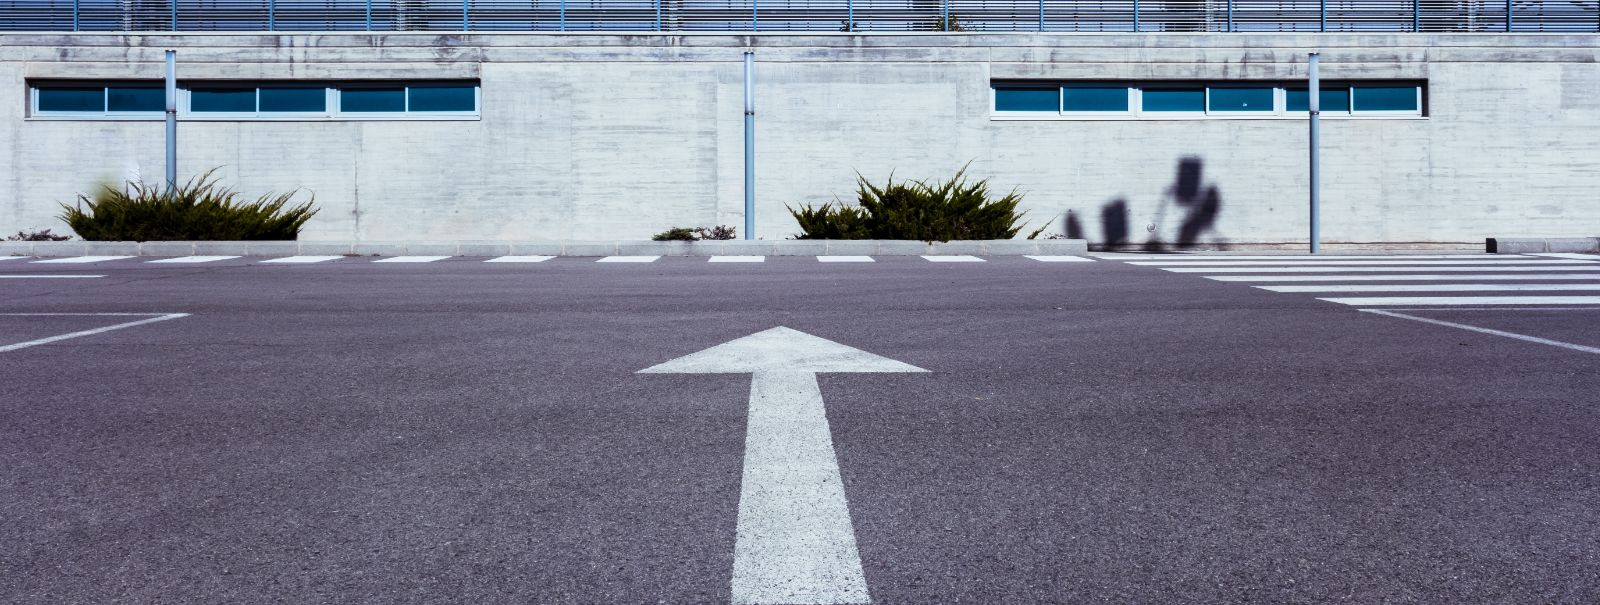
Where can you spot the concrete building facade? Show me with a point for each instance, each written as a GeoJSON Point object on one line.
{"type": "Point", "coordinates": [607, 136]}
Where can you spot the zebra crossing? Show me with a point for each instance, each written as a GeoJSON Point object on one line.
{"type": "Point", "coordinates": [1437, 280]}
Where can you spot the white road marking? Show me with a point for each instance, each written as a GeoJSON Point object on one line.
{"type": "Point", "coordinates": [1491, 276]}
{"type": "Point", "coordinates": [1523, 337]}
{"type": "Point", "coordinates": [1570, 255]}
{"type": "Point", "coordinates": [14, 257]}
{"type": "Point", "coordinates": [82, 259]}
{"type": "Point", "coordinates": [48, 340]}
{"type": "Point", "coordinates": [795, 542]}
{"type": "Point", "coordinates": [192, 259]}
{"type": "Point", "coordinates": [1433, 288]}
{"type": "Point", "coordinates": [1465, 300]}
{"type": "Point", "coordinates": [302, 259]}
{"type": "Point", "coordinates": [1060, 259]}
{"type": "Point", "coordinates": [1412, 269]}
{"type": "Point", "coordinates": [952, 258]}
{"type": "Point", "coordinates": [1183, 257]}
{"type": "Point", "coordinates": [845, 259]}
{"type": "Point", "coordinates": [519, 259]}
{"type": "Point", "coordinates": [1340, 263]}
{"type": "Point", "coordinates": [628, 259]}
{"type": "Point", "coordinates": [44, 276]}
{"type": "Point", "coordinates": [736, 259]}
{"type": "Point", "coordinates": [411, 259]}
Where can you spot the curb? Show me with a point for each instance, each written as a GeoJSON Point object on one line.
{"type": "Point", "coordinates": [1061, 247]}
{"type": "Point", "coordinates": [1521, 245]}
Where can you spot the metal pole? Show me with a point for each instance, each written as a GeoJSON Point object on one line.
{"type": "Point", "coordinates": [1509, 10]}
{"type": "Point", "coordinates": [174, 15]}
{"type": "Point", "coordinates": [944, 15]}
{"type": "Point", "coordinates": [755, 15]}
{"type": "Point", "coordinates": [75, 15]}
{"type": "Point", "coordinates": [369, 15]}
{"type": "Point", "coordinates": [1314, 107]}
{"type": "Point", "coordinates": [749, 145]}
{"type": "Point", "coordinates": [1322, 20]}
{"type": "Point", "coordinates": [172, 121]}
{"type": "Point", "coordinates": [850, 15]}
{"type": "Point", "coordinates": [1230, 15]}
{"type": "Point", "coordinates": [563, 15]}
{"type": "Point", "coordinates": [1416, 15]}
{"type": "Point", "coordinates": [1135, 15]}
{"type": "Point", "coordinates": [466, 15]}
{"type": "Point", "coordinates": [272, 15]}
{"type": "Point", "coordinates": [658, 15]}
{"type": "Point", "coordinates": [1041, 15]}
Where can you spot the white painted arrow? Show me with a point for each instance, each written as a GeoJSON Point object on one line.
{"type": "Point", "coordinates": [795, 542]}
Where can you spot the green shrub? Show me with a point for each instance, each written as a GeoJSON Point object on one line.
{"type": "Point", "coordinates": [687, 234]}
{"type": "Point", "coordinates": [916, 210]}
{"type": "Point", "coordinates": [197, 210]}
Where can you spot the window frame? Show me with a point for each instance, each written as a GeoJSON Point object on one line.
{"type": "Point", "coordinates": [330, 112]}
{"type": "Point", "coordinates": [1136, 101]}
{"type": "Point", "coordinates": [1128, 89]}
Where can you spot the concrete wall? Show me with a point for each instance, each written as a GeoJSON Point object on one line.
{"type": "Point", "coordinates": [613, 136]}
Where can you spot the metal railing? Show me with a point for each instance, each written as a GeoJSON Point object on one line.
{"type": "Point", "coordinates": [804, 15]}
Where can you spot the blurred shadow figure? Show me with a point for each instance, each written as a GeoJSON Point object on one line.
{"type": "Point", "coordinates": [1114, 223]}
{"type": "Point", "coordinates": [1074, 228]}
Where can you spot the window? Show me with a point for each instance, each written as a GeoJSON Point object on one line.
{"type": "Point", "coordinates": [1196, 100]}
{"type": "Point", "coordinates": [258, 101]}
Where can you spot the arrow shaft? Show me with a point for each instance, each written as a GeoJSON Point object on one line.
{"type": "Point", "coordinates": [795, 541]}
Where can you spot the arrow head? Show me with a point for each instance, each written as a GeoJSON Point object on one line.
{"type": "Point", "coordinates": [779, 349]}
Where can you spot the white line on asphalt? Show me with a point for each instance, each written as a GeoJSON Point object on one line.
{"type": "Point", "coordinates": [628, 259]}
{"type": "Point", "coordinates": [192, 259]}
{"type": "Point", "coordinates": [82, 259]}
{"type": "Point", "coordinates": [952, 258]}
{"type": "Point", "coordinates": [1060, 259]}
{"type": "Point", "coordinates": [32, 343]}
{"type": "Point", "coordinates": [736, 259]}
{"type": "Point", "coordinates": [1433, 288]}
{"type": "Point", "coordinates": [1495, 277]}
{"type": "Point", "coordinates": [1523, 337]}
{"type": "Point", "coordinates": [1411, 268]}
{"type": "Point", "coordinates": [1466, 300]}
{"type": "Point", "coordinates": [410, 259]}
{"type": "Point", "coordinates": [1340, 263]}
{"type": "Point", "coordinates": [1571, 255]}
{"type": "Point", "coordinates": [302, 259]}
{"type": "Point", "coordinates": [519, 259]}
{"type": "Point", "coordinates": [1184, 257]}
{"type": "Point", "coordinates": [845, 259]}
{"type": "Point", "coordinates": [43, 276]}
{"type": "Point", "coordinates": [14, 257]}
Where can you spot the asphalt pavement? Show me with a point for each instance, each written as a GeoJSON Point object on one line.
{"type": "Point", "coordinates": [460, 431]}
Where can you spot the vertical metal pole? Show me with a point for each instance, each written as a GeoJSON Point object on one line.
{"type": "Point", "coordinates": [1135, 15]}
{"type": "Point", "coordinates": [850, 15]}
{"type": "Point", "coordinates": [369, 15]}
{"type": "Point", "coordinates": [466, 15]}
{"type": "Point", "coordinates": [944, 15]}
{"type": "Point", "coordinates": [1416, 16]}
{"type": "Point", "coordinates": [174, 6]}
{"type": "Point", "coordinates": [1509, 10]}
{"type": "Point", "coordinates": [1322, 20]}
{"type": "Point", "coordinates": [1230, 15]}
{"type": "Point", "coordinates": [272, 15]}
{"type": "Point", "coordinates": [755, 15]}
{"type": "Point", "coordinates": [1041, 15]}
{"type": "Point", "coordinates": [1314, 107]}
{"type": "Point", "coordinates": [563, 15]}
{"type": "Point", "coordinates": [75, 15]}
{"type": "Point", "coordinates": [172, 121]}
{"type": "Point", "coordinates": [749, 145]}
{"type": "Point", "coordinates": [658, 15]}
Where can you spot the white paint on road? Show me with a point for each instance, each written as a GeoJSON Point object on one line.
{"type": "Point", "coordinates": [1571, 255]}
{"type": "Point", "coordinates": [47, 276]}
{"type": "Point", "coordinates": [1410, 268]}
{"type": "Point", "coordinates": [628, 259]}
{"type": "Point", "coordinates": [1490, 276]}
{"type": "Point", "coordinates": [1433, 288]}
{"type": "Point", "coordinates": [411, 259]}
{"type": "Point", "coordinates": [1465, 300]}
{"type": "Point", "coordinates": [81, 259]}
{"type": "Point", "coordinates": [844, 259]}
{"type": "Point", "coordinates": [519, 259]}
{"type": "Point", "coordinates": [1184, 257]}
{"type": "Point", "coordinates": [14, 257]}
{"type": "Point", "coordinates": [301, 260]}
{"type": "Point", "coordinates": [1060, 259]}
{"type": "Point", "coordinates": [182, 260]}
{"type": "Point", "coordinates": [952, 258]}
{"type": "Point", "coordinates": [795, 542]}
{"type": "Point", "coordinates": [1522, 337]}
{"type": "Point", "coordinates": [736, 259]}
{"type": "Point", "coordinates": [48, 340]}
{"type": "Point", "coordinates": [1342, 263]}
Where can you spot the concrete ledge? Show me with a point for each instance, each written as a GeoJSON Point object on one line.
{"type": "Point", "coordinates": [1065, 247]}
{"type": "Point", "coordinates": [1521, 245]}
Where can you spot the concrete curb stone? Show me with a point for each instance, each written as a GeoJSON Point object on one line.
{"type": "Point", "coordinates": [1524, 245]}
{"type": "Point", "coordinates": [551, 248]}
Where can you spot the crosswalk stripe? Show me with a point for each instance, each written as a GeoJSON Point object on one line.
{"type": "Point", "coordinates": [411, 259]}
{"type": "Point", "coordinates": [1482, 330]}
{"type": "Point", "coordinates": [628, 259]}
{"type": "Point", "coordinates": [13, 257]}
{"type": "Point", "coordinates": [301, 260]}
{"type": "Point", "coordinates": [191, 259]}
{"type": "Point", "coordinates": [1370, 301]}
{"type": "Point", "coordinates": [1340, 263]}
{"type": "Point", "coordinates": [1434, 288]}
{"type": "Point", "coordinates": [1060, 259]}
{"type": "Point", "coordinates": [41, 276]}
{"type": "Point", "coordinates": [952, 258]}
{"type": "Point", "coordinates": [736, 259]}
{"type": "Point", "coordinates": [1184, 257]}
{"type": "Point", "coordinates": [1411, 269]}
{"type": "Point", "coordinates": [1570, 255]}
{"type": "Point", "coordinates": [81, 259]}
{"type": "Point", "coordinates": [519, 259]}
{"type": "Point", "coordinates": [844, 259]}
{"type": "Point", "coordinates": [1473, 276]}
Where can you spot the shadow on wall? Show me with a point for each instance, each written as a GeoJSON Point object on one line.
{"type": "Point", "coordinates": [1198, 203]}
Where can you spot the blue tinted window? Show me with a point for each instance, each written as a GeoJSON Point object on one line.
{"type": "Point", "coordinates": [1334, 100]}
{"type": "Point", "coordinates": [1094, 98]}
{"type": "Point", "coordinates": [239, 100]}
{"type": "Point", "coordinates": [1383, 98]}
{"type": "Point", "coordinates": [442, 98]}
{"type": "Point", "coordinates": [72, 99]}
{"type": "Point", "coordinates": [136, 99]}
{"type": "Point", "coordinates": [294, 99]}
{"type": "Point", "coordinates": [1027, 99]}
{"type": "Point", "coordinates": [372, 99]}
{"type": "Point", "coordinates": [1241, 99]}
{"type": "Point", "coordinates": [1175, 99]}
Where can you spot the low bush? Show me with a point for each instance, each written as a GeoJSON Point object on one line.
{"type": "Point", "coordinates": [197, 210]}
{"type": "Point", "coordinates": [916, 210]}
{"type": "Point", "coordinates": [695, 234]}
{"type": "Point", "coordinates": [42, 235]}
